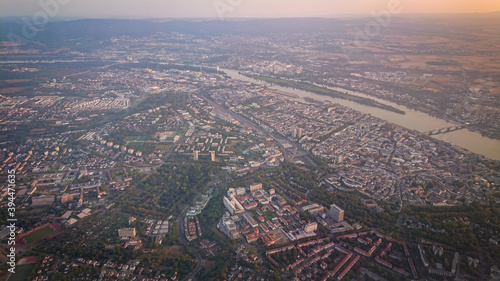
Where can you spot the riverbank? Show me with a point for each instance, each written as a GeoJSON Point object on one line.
{"type": "Point", "coordinates": [479, 128]}
{"type": "Point", "coordinates": [309, 87]}
{"type": "Point", "coordinates": [412, 120]}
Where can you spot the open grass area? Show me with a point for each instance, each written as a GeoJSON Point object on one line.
{"type": "Point", "coordinates": [164, 147]}
{"type": "Point", "coordinates": [176, 251]}
{"type": "Point", "coordinates": [131, 138]}
{"type": "Point", "coordinates": [38, 234]}
{"type": "Point", "coordinates": [136, 139]}
{"type": "Point", "coordinates": [22, 272]}
{"type": "Point", "coordinates": [209, 266]}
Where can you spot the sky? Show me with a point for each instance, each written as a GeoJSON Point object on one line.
{"type": "Point", "coordinates": [234, 8]}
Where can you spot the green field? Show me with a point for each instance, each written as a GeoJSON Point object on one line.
{"type": "Point", "coordinates": [22, 272]}
{"type": "Point", "coordinates": [139, 139]}
{"type": "Point", "coordinates": [38, 234]}
{"type": "Point", "coordinates": [164, 147]}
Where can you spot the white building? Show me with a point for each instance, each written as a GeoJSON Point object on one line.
{"type": "Point", "coordinates": [126, 232]}
{"type": "Point", "coordinates": [233, 206]}
{"type": "Point", "coordinates": [310, 227]}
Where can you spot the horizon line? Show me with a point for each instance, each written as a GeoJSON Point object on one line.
{"type": "Point", "coordinates": [246, 18]}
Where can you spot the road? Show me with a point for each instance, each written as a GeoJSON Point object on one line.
{"type": "Point", "coordinates": [200, 261]}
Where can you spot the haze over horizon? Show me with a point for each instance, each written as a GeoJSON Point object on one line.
{"type": "Point", "coordinates": [239, 8]}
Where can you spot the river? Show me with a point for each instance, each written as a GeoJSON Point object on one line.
{"type": "Point", "coordinates": [413, 119]}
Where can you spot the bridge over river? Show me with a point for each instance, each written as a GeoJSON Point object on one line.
{"type": "Point", "coordinates": [446, 129]}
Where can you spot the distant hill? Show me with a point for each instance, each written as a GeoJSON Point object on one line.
{"type": "Point", "coordinates": [106, 28]}
{"type": "Point", "coordinates": [57, 32]}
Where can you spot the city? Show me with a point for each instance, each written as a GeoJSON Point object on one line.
{"type": "Point", "coordinates": [222, 150]}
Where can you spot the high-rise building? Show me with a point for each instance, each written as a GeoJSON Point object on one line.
{"type": "Point", "coordinates": [336, 213]}
{"type": "Point", "coordinates": [80, 201]}
{"type": "Point", "coordinates": [212, 155]}
{"type": "Point", "coordinates": [195, 155]}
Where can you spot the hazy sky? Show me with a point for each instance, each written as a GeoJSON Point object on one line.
{"type": "Point", "coordinates": [235, 8]}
